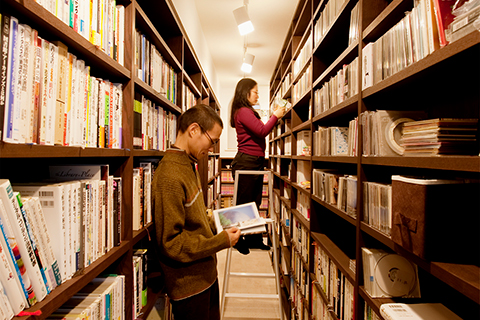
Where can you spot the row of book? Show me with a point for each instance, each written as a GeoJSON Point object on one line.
{"type": "Point", "coordinates": [339, 88]}
{"type": "Point", "coordinates": [300, 238]}
{"type": "Point", "coordinates": [226, 176]}
{"type": "Point", "coordinates": [398, 133]}
{"type": "Point", "coordinates": [140, 292]}
{"type": "Point", "coordinates": [413, 38]}
{"type": "Point", "coordinates": [189, 98]}
{"type": "Point", "coordinates": [154, 128]}
{"type": "Point", "coordinates": [353, 30]}
{"type": "Point", "coordinates": [302, 85]}
{"type": "Point", "coordinates": [152, 68]}
{"type": "Point", "coordinates": [336, 141]}
{"type": "Point", "coordinates": [102, 298]}
{"type": "Point", "coordinates": [327, 16]}
{"type": "Point", "coordinates": [377, 202]}
{"type": "Point", "coordinates": [52, 231]}
{"type": "Point", "coordinates": [49, 96]}
{"type": "Point", "coordinates": [336, 189]}
{"type": "Point", "coordinates": [303, 205]}
{"type": "Point", "coordinates": [299, 288]}
{"type": "Point", "coordinates": [303, 56]}
{"type": "Point", "coordinates": [102, 22]}
{"type": "Point", "coordinates": [319, 309]}
{"type": "Point", "coordinates": [142, 211]}
{"type": "Point", "coordinates": [337, 288]}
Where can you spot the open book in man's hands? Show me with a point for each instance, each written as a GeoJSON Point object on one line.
{"type": "Point", "coordinates": [244, 216]}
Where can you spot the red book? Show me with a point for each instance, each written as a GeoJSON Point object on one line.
{"type": "Point", "coordinates": [443, 12]}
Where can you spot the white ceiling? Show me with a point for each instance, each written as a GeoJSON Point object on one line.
{"type": "Point", "coordinates": [271, 20]}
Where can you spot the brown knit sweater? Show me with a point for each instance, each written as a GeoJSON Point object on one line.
{"type": "Point", "coordinates": [185, 234]}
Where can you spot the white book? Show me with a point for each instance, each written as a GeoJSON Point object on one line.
{"type": "Point", "coordinates": [14, 214]}
{"type": "Point", "coordinates": [121, 37]}
{"type": "Point", "coordinates": [52, 200]}
{"type": "Point", "coordinates": [6, 311]}
{"type": "Point", "coordinates": [43, 106]}
{"type": "Point", "coordinates": [136, 206]}
{"type": "Point", "coordinates": [367, 66]}
{"type": "Point", "coordinates": [147, 190]}
{"type": "Point", "coordinates": [419, 311]}
{"type": "Point", "coordinates": [21, 101]}
{"type": "Point", "coordinates": [36, 230]}
{"type": "Point", "coordinates": [44, 234]}
{"type": "Point", "coordinates": [9, 273]}
{"type": "Point", "coordinates": [51, 94]}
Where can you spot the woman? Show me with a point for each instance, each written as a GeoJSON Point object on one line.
{"type": "Point", "coordinates": [251, 133]}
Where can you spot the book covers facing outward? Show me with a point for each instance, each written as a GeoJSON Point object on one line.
{"type": "Point", "coordinates": [244, 216]}
{"type": "Point", "coordinates": [388, 275]}
{"type": "Point", "coordinates": [431, 214]}
{"type": "Point", "coordinates": [440, 136]}
{"type": "Point", "coordinates": [419, 311]}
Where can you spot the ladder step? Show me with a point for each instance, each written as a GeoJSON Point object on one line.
{"type": "Point", "coordinates": [251, 295]}
{"type": "Point", "coordinates": [253, 275]}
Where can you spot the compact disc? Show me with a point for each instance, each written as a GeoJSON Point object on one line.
{"type": "Point", "coordinates": [393, 133]}
{"type": "Point", "coordinates": [395, 275]}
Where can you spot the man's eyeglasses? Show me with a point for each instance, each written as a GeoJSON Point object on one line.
{"type": "Point", "coordinates": [212, 143]}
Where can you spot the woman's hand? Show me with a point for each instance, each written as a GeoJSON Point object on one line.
{"type": "Point", "coordinates": [279, 112]}
{"type": "Point", "coordinates": [233, 235]}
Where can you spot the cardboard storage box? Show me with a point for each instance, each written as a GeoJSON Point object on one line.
{"type": "Point", "coordinates": [437, 220]}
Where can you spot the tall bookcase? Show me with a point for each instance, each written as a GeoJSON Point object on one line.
{"type": "Point", "coordinates": [29, 162]}
{"type": "Point", "coordinates": [441, 84]}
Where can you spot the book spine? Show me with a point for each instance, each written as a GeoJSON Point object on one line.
{"type": "Point", "coordinates": [11, 81]}
{"type": "Point", "coordinates": [51, 94]}
{"type": "Point", "coordinates": [9, 271]}
{"type": "Point", "coordinates": [44, 92]}
{"type": "Point", "coordinates": [45, 236]}
{"type": "Point", "coordinates": [36, 85]}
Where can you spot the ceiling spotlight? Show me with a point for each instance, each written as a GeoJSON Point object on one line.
{"type": "Point", "coordinates": [244, 24]}
{"type": "Point", "coordinates": [247, 63]}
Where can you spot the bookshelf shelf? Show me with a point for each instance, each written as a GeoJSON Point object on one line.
{"type": "Point", "coordinates": [9, 150]}
{"type": "Point", "coordinates": [454, 163]}
{"type": "Point", "coordinates": [440, 84]}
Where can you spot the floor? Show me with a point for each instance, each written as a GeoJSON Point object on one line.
{"type": "Point", "coordinates": [243, 308]}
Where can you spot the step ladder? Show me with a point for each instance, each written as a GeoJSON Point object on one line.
{"type": "Point", "coordinates": [275, 274]}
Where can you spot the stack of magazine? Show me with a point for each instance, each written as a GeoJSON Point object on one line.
{"type": "Point", "coordinates": [440, 136]}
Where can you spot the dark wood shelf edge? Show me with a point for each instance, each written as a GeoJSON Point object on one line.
{"type": "Point", "coordinates": [12, 150]}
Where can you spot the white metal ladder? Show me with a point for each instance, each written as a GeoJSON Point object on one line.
{"type": "Point", "coordinates": [275, 275]}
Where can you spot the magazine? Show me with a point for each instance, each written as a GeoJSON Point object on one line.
{"type": "Point", "coordinates": [244, 216]}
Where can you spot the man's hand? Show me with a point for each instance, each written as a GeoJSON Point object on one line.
{"type": "Point", "coordinates": [233, 235]}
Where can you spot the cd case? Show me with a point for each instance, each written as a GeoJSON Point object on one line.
{"type": "Point", "coordinates": [388, 275]}
{"type": "Point", "coordinates": [244, 216]}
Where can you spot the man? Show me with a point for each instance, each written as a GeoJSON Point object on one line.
{"type": "Point", "coordinates": [186, 235]}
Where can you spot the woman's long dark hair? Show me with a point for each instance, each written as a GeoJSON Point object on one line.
{"type": "Point", "coordinates": [240, 99]}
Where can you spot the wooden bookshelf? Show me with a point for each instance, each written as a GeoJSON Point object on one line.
{"type": "Point", "coordinates": [29, 162]}
{"type": "Point", "coordinates": [439, 84]}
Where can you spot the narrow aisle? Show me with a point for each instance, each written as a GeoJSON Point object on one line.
{"type": "Point", "coordinates": [241, 308]}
